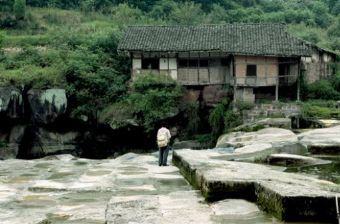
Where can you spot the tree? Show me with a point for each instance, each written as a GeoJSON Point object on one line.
{"type": "Point", "coordinates": [162, 9]}
{"type": "Point", "coordinates": [187, 13]}
{"type": "Point", "coordinates": [6, 6]}
{"type": "Point", "coordinates": [218, 14]}
{"type": "Point", "coordinates": [125, 15]}
{"type": "Point", "coordinates": [154, 98]}
{"type": "Point", "coordinates": [19, 9]}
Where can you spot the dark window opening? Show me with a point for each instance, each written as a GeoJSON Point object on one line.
{"type": "Point", "coordinates": [204, 63]}
{"type": "Point", "coordinates": [224, 62]}
{"type": "Point", "coordinates": [150, 63]}
{"type": "Point", "coordinates": [193, 63]}
{"type": "Point", "coordinates": [182, 63]}
{"type": "Point", "coordinates": [283, 69]}
{"type": "Point", "coordinates": [251, 70]}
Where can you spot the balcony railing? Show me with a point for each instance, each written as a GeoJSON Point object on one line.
{"type": "Point", "coordinates": [259, 81]}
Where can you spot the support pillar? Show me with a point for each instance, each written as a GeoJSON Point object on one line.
{"type": "Point", "coordinates": [298, 81]}
{"type": "Point", "coordinates": [277, 89]}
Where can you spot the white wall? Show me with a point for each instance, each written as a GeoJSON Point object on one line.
{"type": "Point", "coordinates": [136, 63]}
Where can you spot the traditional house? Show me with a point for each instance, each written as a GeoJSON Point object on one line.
{"type": "Point", "coordinates": [260, 61]}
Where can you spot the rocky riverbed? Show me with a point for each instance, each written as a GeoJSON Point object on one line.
{"type": "Point", "coordinates": [129, 189]}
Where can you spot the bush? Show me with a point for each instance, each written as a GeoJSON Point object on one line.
{"type": "Point", "coordinates": [314, 111]}
{"type": "Point", "coordinates": [154, 98]}
{"type": "Point", "coordinates": [243, 105]}
{"type": "Point", "coordinates": [216, 120]}
{"type": "Point", "coordinates": [202, 138]}
{"type": "Point", "coordinates": [19, 9]}
{"type": "Point", "coordinates": [231, 120]}
{"type": "Point", "coordinates": [7, 20]}
{"type": "Point", "coordinates": [322, 89]}
{"type": "Point", "coordinates": [117, 115]}
{"type": "Point", "coordinates": [192, 112]}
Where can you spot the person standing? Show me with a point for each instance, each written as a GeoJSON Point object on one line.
{"type": "Point", "coordinates": [163, 140]}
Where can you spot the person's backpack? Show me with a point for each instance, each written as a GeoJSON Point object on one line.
{"type": "Point", "coordinates": [162, 139]}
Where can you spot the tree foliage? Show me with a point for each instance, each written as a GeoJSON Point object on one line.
{"type": "Point", "coordinates": [154, 98]}
{"type": "Point", "coordinates": [19, 9]}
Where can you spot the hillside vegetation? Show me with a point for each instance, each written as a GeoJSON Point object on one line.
{"type": "Point", "coordinates": [72, 44]}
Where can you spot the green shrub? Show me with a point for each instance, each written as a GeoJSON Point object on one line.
{"type": "Point", "coordinates": [223, 118]}
{"type": "Point", "coordinates": [192, 112]}
{"type": "Point", "coordinates": [231, 120]}
{"type": "Point", "coordinates": [154, 98]}
{"type": "Point", "coordinates": [243, 105]}
{"type": "Point", "coordinates": [320, 109]}
{"type": "Point", "coordinates": [322, 89]}
{"type": "Point", "coordinates": [7, 20]}
{"type": "Point", "coordinates": [216, 120]}
{"type": "Point", "coordinates": [202, 138]}
{"type": "Point", "coordinates": [19, 9]}
{"type": "Point", "coordinates": [117, 115]}
{"type": "Point", "coordinates": [312, 111]}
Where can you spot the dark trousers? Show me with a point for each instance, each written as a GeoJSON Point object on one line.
{"type": "Point", "coordinates": [163, 156]}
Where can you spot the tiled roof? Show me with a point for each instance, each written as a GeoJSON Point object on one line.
{"type": "Point", "coordinates": [245, 39]}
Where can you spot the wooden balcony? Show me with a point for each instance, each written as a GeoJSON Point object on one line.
{"type": "Point", "coordinates": [261, 81]}
{"type": "Point", "coordinates": [203, 76]}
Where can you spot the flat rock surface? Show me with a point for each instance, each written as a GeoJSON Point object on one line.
{"type": "Point", "coordinates": [266, 135]}
{"type": "Point", "coordinates": [322, 138]}
{"type": "Point", "coordinates": [294, 160]}
{"type": "Point", "coordinates": [286, 184]}
{"type": "Point", "coordinates": [254, 146]}
{"type": "Point", "coordinates": [130, 189]}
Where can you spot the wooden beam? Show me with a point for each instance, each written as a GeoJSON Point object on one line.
{"type": "Point", "coordinates": [298, 81]}
{"type": "Point", "coordinates": [277, 89]}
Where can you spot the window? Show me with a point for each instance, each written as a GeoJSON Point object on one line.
{"type": "Point", "coordinates": [193, 63]}
{"type": "Point", "coordinates": [224, 62]}
{"type": "Point", "coordinates": [283, 69]}
{"type": "Point", "coordinates": [204, 63]}
{"type": "Point", "coordinates": [150, 63]}
{"type": "Point", "coordinates": [251, 70]}
{"type": "Point", "coordinates": [182, 63]}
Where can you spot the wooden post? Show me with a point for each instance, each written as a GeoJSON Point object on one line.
{"type": "Point", "coordinates": [209, 68]}
{"type": "Point", "coordinates": [298, 81]}
{"type": "Point", "coordinates": [277, 89]}
{"type": "Point", "coordinates": [198, 67]}
{"type": "Point", "coordinates": [235, 81]}
{"type": "Point", "coordinates": [168, 65]}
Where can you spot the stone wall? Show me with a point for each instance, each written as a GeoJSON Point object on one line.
{"type": "Point", "coordinates": [317, 66]}
{"type": "Point", "coordinates": [271, 110]}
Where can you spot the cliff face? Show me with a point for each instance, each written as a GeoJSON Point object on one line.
{"type": "Point", "coordinates": [35, 123]}
{"type": "Point", "coordinates": [27, 121]}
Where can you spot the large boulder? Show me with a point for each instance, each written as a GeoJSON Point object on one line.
{"type": "Point", "coordinates": [322, 141]}
{"type": "Point", "coordinates": [11, 102]}
{"type": "Point", "coordinates": [47, 105]}
{"type": "Point", "coordinates": [48, 143]}
{"type": "Point", "coordinates": [261, 143]}
{"type": "Point", "coordinates": [9, 149]}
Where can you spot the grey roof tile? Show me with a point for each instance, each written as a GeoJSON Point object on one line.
{"type": "Point", "coordinates": [247, 39]}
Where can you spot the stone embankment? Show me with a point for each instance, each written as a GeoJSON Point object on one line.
{"type": "Point", "coordinates": [288, 196]}
{"type": "Point", "coordinates": [220, 174]}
